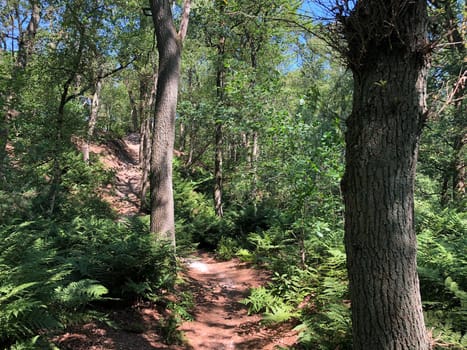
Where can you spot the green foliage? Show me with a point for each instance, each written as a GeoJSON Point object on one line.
{"type": "Point", "coordinates": [80, 293]}
{"type": "Point", "coordinates": [33, 344]}
{"type": "Point", "coordinates": [326, 321]}
{"type": "Point", "coordinates": [196, 219]}
{"type": "Point", "coordinates": [52, 271]}
{"type": "Point", "coordinates": [226, 248]}
{"type": "Point", "coordinates": [168, 329]}
{"type": "Point", "coordinates": [443, 271]}
{"type": "Point", "coordinates": [31, 277]}
{"type": "Point", "coordinates": [183, 306]}
{"type": "Point", "coordinates": [316, 294]}
{"type": "Point", "coordinates": [122, 256]}
{"type": "Point", "coordinates": [262, 300]}
{"type": "Point", "coordinates": [244, 255]}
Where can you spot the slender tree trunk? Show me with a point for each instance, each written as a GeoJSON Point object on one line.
{"type": "Point", "coordinates": [57, 171]}
{"type": "Point", "coordinates": [387, 55]}
{"type": "Point", "coordinates": [145, 161]}
{"type": "Point", "coordinates": [218, 176]}
{"type": "Point", "coordinates": [444, 195]}
{"type": "Point", "coordinates": [254, 49]}
{"type": "Point", "coordinates": [134, 110]}
{"type": "Point", "coordinates": [169, 48]}
{"type": "Point", "coordinates": [220, 87]}
{"type": "Point", "coordinates": [147, 129]}
{"type": "Point", "coordinates": [95, 104]}
{"type": "Point", "coordinates": [456, 38]}
{"type": "Point", "coordinates": [254, 169]}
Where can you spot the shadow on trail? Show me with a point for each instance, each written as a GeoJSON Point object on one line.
{"type": "Point", "coordinates": [221, 320]}
{"type": "Point", "coordinates": [136, 329]}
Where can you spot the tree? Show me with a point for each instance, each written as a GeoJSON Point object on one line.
{"type": "Point", "coordinates": [387, 53]}
{"type": "Point", "coordinates": [220, 93]}
{"type": "Point", "coordinates": [169, 46]}
{"type": "Point", "coordinates": [25, 38]}
{"type": "Point", "coordinates": [444, 152]}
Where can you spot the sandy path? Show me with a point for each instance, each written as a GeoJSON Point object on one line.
{"type": "Point", "coordinates": [123, 158]}
{"type": "Point", "coordinates": [221, 321]}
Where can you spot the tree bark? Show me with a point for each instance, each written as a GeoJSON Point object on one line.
{"type": "Point", "coordinates": [387, 55]}
{"type": "Point", "coordinates": [57, 170]}
{"type": "Point", "coordinates": [134, 113]}
{"type": "Point", "coordinates": [220, 89]}
{"type": "Point", "coordinates": [95, 104]}
{"type": "Point", "coordinates": [145, 161]}
{"type": "Point", "coordinates": [218, 176]}
{"type": "Point", "coordinates": [162, 222]}
{"type": "Point", "coordinates": [147, 129]}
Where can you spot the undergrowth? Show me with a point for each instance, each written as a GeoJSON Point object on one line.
{"type": "Point", "coordinates": [52, 273]}
{"type": "Point", "coordinates": [313, 291]}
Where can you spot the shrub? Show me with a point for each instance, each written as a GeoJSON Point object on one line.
{"type": "Point", "coordinates": [52, 271]}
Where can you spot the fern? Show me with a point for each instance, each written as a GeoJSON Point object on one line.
{"type": "Point", "coordinates": [453, 287]}
{"type": "Point", "coordinates": [279, 313]}
{"type": "Point", "coordinates": [80, 293]}
{"type": "Point", "coordinates": [261, 299]}
{"type": "Point", "coordinates": [8, 291]}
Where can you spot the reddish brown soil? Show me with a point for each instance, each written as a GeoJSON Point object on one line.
{"type": "Point", "coordinates": [122, 157]}
{"type": "Point", "coordinates": [219, 322]}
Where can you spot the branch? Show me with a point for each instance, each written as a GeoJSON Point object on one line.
{"type": "Point", "coordinates": [100, 77]}
{"type": "Point", "coordinates": [184, 20]}
{"type": "Point", "coordinates": [452, 97]}
{"type": "Point", "coordinates": [313, 30]}
{"type": "Point", "coordinates": [278, 19]}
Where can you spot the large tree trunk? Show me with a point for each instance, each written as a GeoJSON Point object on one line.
{"type": "Point", "coordinates": [387, 43]}
{"type": "Point", "coordinates": [169, 48]}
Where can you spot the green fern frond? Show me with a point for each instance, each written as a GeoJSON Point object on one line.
{"type": "Point", "coordinates": [8, 291]}
{"type": "Point", "coordinates": [453, 287]}
{"type": "Point", "coordinates": [280, 313]}
{"type": "Point", "coordinates": [80, 293]}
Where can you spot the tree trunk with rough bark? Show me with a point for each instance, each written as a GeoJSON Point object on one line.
{"type": "Point", "coordinates": [388, 57]}
{"type": "Point", "coordinates": [169, 42]}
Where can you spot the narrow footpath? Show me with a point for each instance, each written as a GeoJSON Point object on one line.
{"type": "Point", "coordinates": [220, 320]}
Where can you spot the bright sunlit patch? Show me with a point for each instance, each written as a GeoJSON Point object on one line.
{"type": "Point", "coordinates": [199, 266]}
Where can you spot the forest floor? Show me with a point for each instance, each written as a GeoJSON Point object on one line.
{"type": "Point", "coordinates": [219, 320]}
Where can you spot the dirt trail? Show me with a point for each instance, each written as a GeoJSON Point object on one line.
{"type": "Point", "coordinates": [220, 321]}
{"type": "Point", "coordinates": [122, 156]}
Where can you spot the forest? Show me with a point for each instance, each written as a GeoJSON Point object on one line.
{"type": "Point", "coordinates": [320, 144]}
